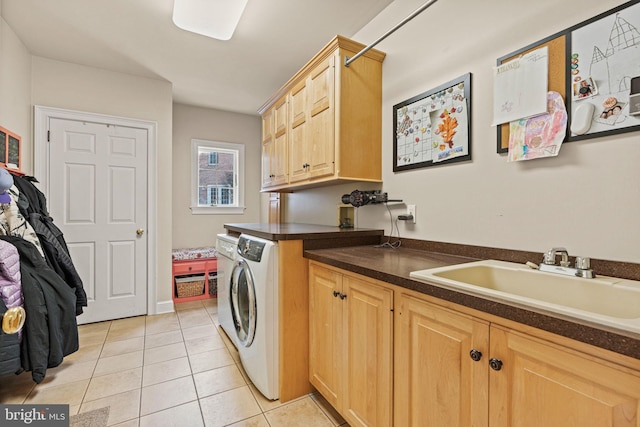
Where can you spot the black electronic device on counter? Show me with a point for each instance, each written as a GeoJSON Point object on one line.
{"type": "Point", "coordinates": [359, 198]}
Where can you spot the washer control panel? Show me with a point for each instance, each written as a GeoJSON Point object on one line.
{"type": "Point", "coordinates": [250, 249]}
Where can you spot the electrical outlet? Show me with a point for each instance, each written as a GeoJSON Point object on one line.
{"type": "Point", "coordinates": [411, 210]}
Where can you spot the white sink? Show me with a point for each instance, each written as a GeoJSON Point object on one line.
{"type": "Point", "coordinates": [603, 300]}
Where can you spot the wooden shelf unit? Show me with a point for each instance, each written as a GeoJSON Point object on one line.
{"type": "Point", "coordinates": [179, 268]}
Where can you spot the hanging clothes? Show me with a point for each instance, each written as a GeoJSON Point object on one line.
{"type": "Point", "coordinates": [13, 223]}
{"type": "Point", "coordinates": [50, 330]}
{"type": "Point", "coordinates": [10, 280]}
{"type": "Point", "coordinates": [33, 206]}
{"type": "Point", "coordinates": [9, 349]}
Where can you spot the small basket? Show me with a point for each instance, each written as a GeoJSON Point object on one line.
{"type": "Point", "coordinates": [192, 286]}
{"type": "Point", "coordinates": [213, 283]}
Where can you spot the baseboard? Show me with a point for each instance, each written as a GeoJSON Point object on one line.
{"type": "Point", "coordinates": [164, 307]}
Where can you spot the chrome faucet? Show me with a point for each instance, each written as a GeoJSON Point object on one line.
{"type": "Point", "coordinates": [582, 267]}
{"type": "Point", "coordinates": [550, 257]}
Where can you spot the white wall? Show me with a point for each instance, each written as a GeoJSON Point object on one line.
{"type": "Point", "coordinates": [586, 199]}
{"type": "Point", "coordinates": [202, 123]}
{"type": "Point", "coordinates": [15, 90]}
{"type": "Point", "coordinates": [75, 87]}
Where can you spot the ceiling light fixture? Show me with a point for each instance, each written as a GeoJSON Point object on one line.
{"type": "Point", "coordinates": [212, 18]}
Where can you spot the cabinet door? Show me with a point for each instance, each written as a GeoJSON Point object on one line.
{"type": "Point", "coordinates": [279, 160]}
{"type": "Point", "coordinates": [541, 384]}
{"type": "Point", "coordinates": [267, 147]}
{"type": "Point", "coordinates": [368, 371]}
{"type": "Point", "coordinates": [275, 216]}
{"type": "Point", "coordinates": [298, 139]}
{"type": "Point", "coordinates": [325, 335]}
{"type": "Point", "coordinates": [322, 119]}
{"type": "Point", "coordinates": [436, 381]}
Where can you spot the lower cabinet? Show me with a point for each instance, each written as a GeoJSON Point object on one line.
{"type": "Point", "coordinates": [437, 382]}
{"type": "Point", "coordinates": [406, 360]}
{"type": "Point", "coordinates": [455, 370]}
{"type": "Point", "coordinates": [351, 344]}
{"type": "Point", "coordinates": [542, 384]}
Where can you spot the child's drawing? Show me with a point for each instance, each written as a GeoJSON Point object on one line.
{"type": "Point", "coordinates": [605, 54]}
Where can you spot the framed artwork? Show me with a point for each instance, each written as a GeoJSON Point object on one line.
{"type": "Point", "coordinates": [433, 128]}
{"type": "Point", "coordinates": [603, 75]}
{"type": "Point", "coordinates": [10, 150]}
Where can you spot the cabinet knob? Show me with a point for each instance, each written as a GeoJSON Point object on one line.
{"type": "Point", "coordinates": [336, 293]}
{"type": "Point", "coordinates": [343, 296]}
{"type": "Point", "coordinates": [496, 364]}
{"type": "Point", "coordinates": [475, 355]}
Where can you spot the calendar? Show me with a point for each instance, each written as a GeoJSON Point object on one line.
{"type": "Point", "coordinates": [433, 127]}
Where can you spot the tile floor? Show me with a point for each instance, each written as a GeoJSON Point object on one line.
{"type": "Point", "coordinates": [176, 369]}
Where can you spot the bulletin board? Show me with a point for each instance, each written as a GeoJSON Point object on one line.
{"type": "Point", "coordinates": [558, 48]}
{"type": "Point", "coordinates": [605, 59]}
{"type": "Point", "coordinates": [602, 53]}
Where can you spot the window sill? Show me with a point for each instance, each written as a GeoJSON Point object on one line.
{"type": "Point", "coordinates": [217, 210]}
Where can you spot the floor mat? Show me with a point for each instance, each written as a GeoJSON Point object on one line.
{"type": "Point", "coordinates": [95, 418]}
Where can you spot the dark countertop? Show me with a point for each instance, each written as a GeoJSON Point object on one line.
{"type": "Point", "coordinates": [394, 265]}
{"type": "Point", "coordinates": [300, 231]}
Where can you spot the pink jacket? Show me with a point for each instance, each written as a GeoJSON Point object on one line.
{"type": "Point", "coordinates": [10, 279]}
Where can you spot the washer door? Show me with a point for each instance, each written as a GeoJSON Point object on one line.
{"type": "Point", "coordinates": [243, 302]}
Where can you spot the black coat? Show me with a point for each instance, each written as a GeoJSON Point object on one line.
{"type": "Point", "coordinates": [33, 206]}
{"type": "Point", "coordinates": [9, 349]}
{"type": "Point", "coordinates": [50, 330]}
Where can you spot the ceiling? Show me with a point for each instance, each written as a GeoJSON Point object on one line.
{"type": "Point", "coordinates": [274, 39]}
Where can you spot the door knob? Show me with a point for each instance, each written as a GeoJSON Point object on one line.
{"type": "Point", "coordinates": [139, 231]}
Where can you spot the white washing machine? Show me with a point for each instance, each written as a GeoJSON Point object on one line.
{"type": "Point", "coordinates": [226, 247]}
{"type": "Point", "coordinates": [254, 309]}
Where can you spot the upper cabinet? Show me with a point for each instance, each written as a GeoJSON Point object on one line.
{"type": "Point", "coordinates": [332, 130]}
{"type": "Point", "coordinates": [275, 144]}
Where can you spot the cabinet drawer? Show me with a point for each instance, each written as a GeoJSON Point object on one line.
{"type": "Point", "coordinates": [212, 265]}
{"type": "Point", "coordinates": [189, 267]}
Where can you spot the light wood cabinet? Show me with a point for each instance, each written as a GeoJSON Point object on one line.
{"type": "Point", "coordinates": [268, 134]}
{"type": "Point", "coordinates": [351, 344]}
{"type": "Point", "coordinates": [437, 383]}
{"type": "Point", "coordinates": [516, 379]}
{"type": "Point", "coordinates": [334, 125]}
{"type": "Point", "coordinates": [298, 141]}
{"type": "Point", "coordinates": [275, 145]}
{"type": "Point", "coordinates": [449, 365]}
{"type": "Point", "coordinates": [320, 151]}
{"type": "Point", "coordinates": [545, 384]}
{"type": "Point", "coordinates": [313, 120]}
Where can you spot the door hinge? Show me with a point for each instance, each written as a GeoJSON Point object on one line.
{"type": "Point", "coordinates": [48, 136]}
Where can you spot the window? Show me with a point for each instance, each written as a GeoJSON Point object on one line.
{"type": "Point", "coordinates": [217, 175]}
{"type": "Point", "coordinates": [219, 195]}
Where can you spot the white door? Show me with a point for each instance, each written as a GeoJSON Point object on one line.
{"type": "Point", "coordinates": [98, 198]}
